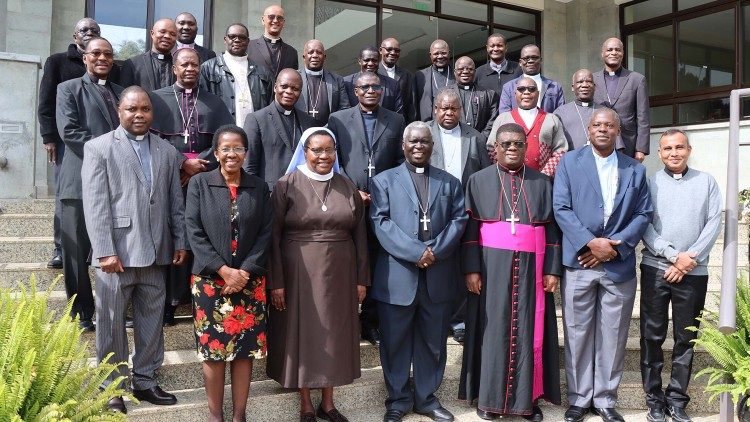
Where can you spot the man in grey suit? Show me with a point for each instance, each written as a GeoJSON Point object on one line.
{"type": "Point", "coordinates": [323, 92]}
{"type": "Point", "coordinates": [624, 91]}
{"type": "Point", "coordinates": [419, 217]}
{"type": "Point", "coordinates": [86, 107]}
{"type": "Point", "coordinates": [134, 216]}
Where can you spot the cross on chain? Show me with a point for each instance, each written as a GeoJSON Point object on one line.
{"type": "Point", "coordinates": [314, 113]}
{"type": "Point", "coordinates": [424, 220]}
{"type": "Point", "coordinates": [512, 219]}
{"type": "Point", "coordinates": [370, 168]}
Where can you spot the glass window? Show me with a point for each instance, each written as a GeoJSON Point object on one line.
{"type": "Point", "coordinates": [650, 53]}
{"type": "Point", "coordinates": [464, 9]}
{"type": "Point", "coordinates": [703, 111]}
{"type": "Point", "coordinates": [687, 4]}
{"type": "Point", "coordinates": [746, 42]}
{"type": "Point", "coordinates": [423, 5]}
{"type": "Point", "coordinates": [463, 38]}
{"type": "Point", "coordinates": [123, 24]}
{"type": "Point", "coordinates": [171, 8]}
{"type": "Point", "coordinates": [646, 10]}
{"type": "Point", "coordinates": [344, 29]}
{"type": "Point", "coordinates": [510, 17]}
{"type": "Point", "coordinates": [706, 56]}
{"type": "Point", "coordinates": [415, 33]}
{"type": "Point", "coordinates": [661, 115]}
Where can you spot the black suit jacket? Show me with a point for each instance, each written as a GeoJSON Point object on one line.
{"type": "Point", "coordinates": [257, 51]}
{"type": "Point", "coordinates": [337, 95]}
{"type": "Point", "coordinates": [81, 115]}
{"type": "Point", "coordinates": [139, 71]}
{"type": "Point", "coordinates": [217, 79]}
{"type": "Point", "coordinates": [484, 110]}
{"type": "Point", "coordinates": [473, 150]}
{"type": "Point", "coordinates": [269, 148]}
{"type": "Point", "coordinates": [207, 213]}
{"type": "Point", "coordinates": [352, 146]}
{"type": "Point", "coordinates": [390, 99]}
{"type": "Point", "coordinates": [406, 82]}
{"type": "Point", "coordinates": [204, 53]}
{"type": "Point", "coordinates": [425, 91]}
{"type": "Point", "coordinates": [489, 79]}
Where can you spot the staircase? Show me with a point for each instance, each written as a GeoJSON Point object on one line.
{"type": "Point", "coordinates": [26, 245]}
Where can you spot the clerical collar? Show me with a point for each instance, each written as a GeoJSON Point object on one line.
{"type": "Point", "coordinates": [455, 131]}
{"type": "Point", "coordinates": [414, 169]}
{"type": "Point", "coordinates": [440, 69]}
{"type": "Point", "coordinates": [615, 73]}
{"type": "Point", "coordinates": [529, 113]}
{"type": "Point", "coordinates": [271, 40]}
{"type": "Point", "coordinates": [466, 87]}
{"type": "Point", "coordinates": [180, 88]}
{"type": "Point", "coordinates": [160, 56]}
{"type": "Point", "coordinates": [373, 112]}
{"type": "Point", "coordinates": [315, 176]}
{"type": "Point", "coordinates": [509, 171]}
{"type": "Point", "coordinates": [282, 110]}
{"type": "Point", "coordinates": [95, 79]}
{"type": "Point", "coordinates": [314, 72]}
{"type": "Point", "coordinates": [676, 176]}
{"type": "Point", "coordinates": [134, 137]}
{"type": "Point", "coordinates": [388, 67]}
{"type": "Point", "coordinates": [584, 104]}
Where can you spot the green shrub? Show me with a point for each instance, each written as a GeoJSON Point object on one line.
{"type": "Point", "coordinates": [45, 374]}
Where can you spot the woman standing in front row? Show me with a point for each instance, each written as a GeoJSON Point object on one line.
{"type": "Point", "coordinates": [319, 271]}
{"type": "Point", "coordinates": [229, 215]}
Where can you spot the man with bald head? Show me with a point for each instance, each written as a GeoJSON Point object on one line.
{"type": "Point", "coordinates": [390, 96]}
{"type": "Point", "coordinates": [498, 70]}
{"type": "Point", "coordinates": [242, 84]}
{"type": "Point", "coordinates": [478, 106]}
{"type": "Point", "coordinates": [544, 131]}
{"type": "Point", "coordinates": [390, 52]}
{"type": "Point", "coordinates": [551, 94]}
{"type": "Point", "coordinates": [576, 114]}
{"type": "Point", "coordinates": [152, 70]}
{"type": "Point", "coordinates": [430, 81]}
{"type": "Point", "coordinates": [187, 30]}
{"type": "Point", "coordinates": [624, 91]}
{"type": "Point", "coordinates": [274, 131]}
{"type": "Point", "coordinates": [603, 207]}
{"type": "Point", "coordinates": [58, 68]}
{"type": "Point", "coordinates": [270, 50]}
{"type": "Point", "coordinates": [323, 92]}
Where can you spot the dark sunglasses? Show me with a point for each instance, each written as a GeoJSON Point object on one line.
{"type": "Point", "coordinates": [507, 144]}
{"type": "Point", "coordinates": [86, 29]}
{"type": "Point", "coordinates": [272, 18]}
{"type": "Point", "coordinates": [374, 87]}
{"type": "Point", "coordinates": [523, 89]}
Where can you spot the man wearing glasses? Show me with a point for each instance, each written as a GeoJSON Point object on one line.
{"type": "Point", "coordinates": [478, 105]}
{"type": "Point", "coordinates": [369, 142]}
{"type": "Point", "coordinates": [544, 131]}
{"type": "Point", "coordinates": [551, 93]}
{"type": "Point", "coordinates": [390, 52]}
{"type": "Point", "coordinates": [270, 50]}
{"type": "Point", "coordinates": [390, 96]}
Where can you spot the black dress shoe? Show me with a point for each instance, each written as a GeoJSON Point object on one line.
{"type": "Point", "coordinates": [55, 262]}
{"type": "Point", "coordinates": [656, 414]}
{"type": "Point", "coordinates": [439, 414]}
{"type": "Point", "coordinates": [332, 415]}
{"type": "Point", "coordinates": [488, 416]}
{"type": "Point", "coordinates": [155, 395]}
{"type": "Point", "coordinates": [307, 417]}
{"type": "Point", "coordinates": [608, 414]}
{"type": "Point", "coordinates": [372, 335]}
{"type": "Point", "coordinates": [536, 415]}
{"type": "Point", "coordinates": [117, 404]}
{"type": "Point", "coordinates": [393, 415]}
{"type": "Point", "coordinates": [678, 414]}
{"type": "Point", "coordinates": [575, 414]}
{"type": "Point", "coordinates": [459, 334]}
{"type": "Point", "coordinates": [169, 316]}
{"type": "Point", "coordinates": [86, 325]}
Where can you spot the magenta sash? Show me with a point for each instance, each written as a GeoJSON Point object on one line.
{"type": "Point", "coordinates": [190, 155]}
{"type": "Point", "coordinates": [532, 239]}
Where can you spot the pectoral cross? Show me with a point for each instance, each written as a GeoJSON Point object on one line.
{"type": "Point", "coordinates": [244, 100]}
{"type": "Point", "coordinates": [186, 135]}
{"type": "Point", "coordinates": [313, 113]}
{"type": "Point", "coordinates": [512, 219]}
{"type": "Point", "coordinates": [424, 220]}
{"type": "Point", "coordinates": [370, 169]}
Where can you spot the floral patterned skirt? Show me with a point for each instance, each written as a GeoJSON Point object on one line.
{"type": "Point", "coordinates": [229, 327]}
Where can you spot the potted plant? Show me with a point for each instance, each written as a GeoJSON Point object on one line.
{"type": "Point", "coordinates": [45, 374]}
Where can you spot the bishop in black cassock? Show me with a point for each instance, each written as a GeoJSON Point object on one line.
{"type": "Point", "coordinates": [512, 244]}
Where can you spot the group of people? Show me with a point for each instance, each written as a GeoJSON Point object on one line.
{"type": "Point", "coordinates": [453, 200]}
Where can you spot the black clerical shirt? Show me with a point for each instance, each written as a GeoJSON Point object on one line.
{"type": "Point", "coordinates": [162, 65]}
{"type": "Point", "coordinates": [108, 96]}
{"type": "Point", "coordinates": [422, 186]}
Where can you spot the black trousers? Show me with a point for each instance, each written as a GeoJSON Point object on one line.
{"type": "Point", "coordinates": [60, 151]}
{"type": "Point", "coordinates": [76, 251]}
{"type": "Point", "coordinates": [413, 336]}
{"type": "Point", "coordinates": [368, 311]}
{"type": "Point", "coordinates": [688, 298]}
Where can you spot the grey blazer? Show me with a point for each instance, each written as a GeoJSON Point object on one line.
{"type": "Point", "coordinates": [81, 114]}
{"type": "Point", "coordinates": [631, 104]}
{"type": "Point", "coordinates": [338, 99]}
{"type": "Point", "coordinates": [474, 156]}
{"type": "Point", "coordinates": [143, 226]}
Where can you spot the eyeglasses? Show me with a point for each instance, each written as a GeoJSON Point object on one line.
{"type": "Point", "coordinates": [84, 30]}
{"type": "Point", "coordinates": [507, 144]}
{"type": "Point", "coordinates": [106, 54]}
{"type": "Point", "coordinates": [320, 151]}
{"type": "Point", "coordinates": [528, 59]}
{"type": "Point", "coordinates": [391, 49]}
{"type": "Point", "coordinates": [522, 89]}
{"type": "Point", "coordinates": [272, 18]}
{"type": "Point", "coordinates": [240, 37]}
{"type": "Point", "coordinates": [236, 150]}
{"type": "Point", "coordinates": [374, 87]}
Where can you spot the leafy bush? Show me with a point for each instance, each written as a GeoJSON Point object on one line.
{"type": "Point", "coordinates": [45, 374]}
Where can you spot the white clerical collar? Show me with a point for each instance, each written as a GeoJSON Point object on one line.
{"type": "Point", "coordinates": [283, 110]}
{"type": "Point", "coordinates": [272, 40]}
{"type": "Point", "coordinates": [441, 69]}
{"type": "Point", "coordinates": [453, 131]}
{"type": "Point", "coordinates": [466, 87]}
{"type": "Point", "coordinates": [418, 170]}
{"type": "Point", "coordinates": [583, 104]}
{"type": "Point", "coordinates": [101, 81]}
{"type": "Point", "coordinates": [133, 137]}
{"type": "Point", "coordinates": [159, 56]}
{"type": "Point", "coordinates": [315, 176]}
{"type": "Point", "coordinates": [531, 113]}
{"type": "Point", "coordinates": [313, 72]}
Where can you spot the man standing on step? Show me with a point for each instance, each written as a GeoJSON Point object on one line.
{"type": "Point", "coordinates": [152, 70]}
{"type": "Point", "coordinates": [429, 81]}
{"type": "Point", "coordinates": [270, 51]}
{"type": "Point", "coordinates": [603, 206]}
{"type": "Point", "coordinates": [85, 108]}
{"type": "Point", "coordinates": [687, 221]}
{"type": "Point", "coordinates": [134, 216]}
{"type": "Point", "coordinates": [390, 52]}
{"type": "Point", "coordinates": [498, 70]}
{"type": "Point", "coordinates": [187, 30]}
{"type": "Point", "coordinates": [551, 95]}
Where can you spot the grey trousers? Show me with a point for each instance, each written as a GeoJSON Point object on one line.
{"type": "Point", "coordinates": [145, 288]}
{"type": "Point", "coordinates": [596, 316]}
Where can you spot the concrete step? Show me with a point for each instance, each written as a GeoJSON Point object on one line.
{"type": "Point", "coordinates": [363, 401]}
{"type": "Point", "coordinates": [26, 249]}
{"type": "Point", "coordinates": [27, 206]}
{"type": "Point", "coordinates": [26, 224]}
